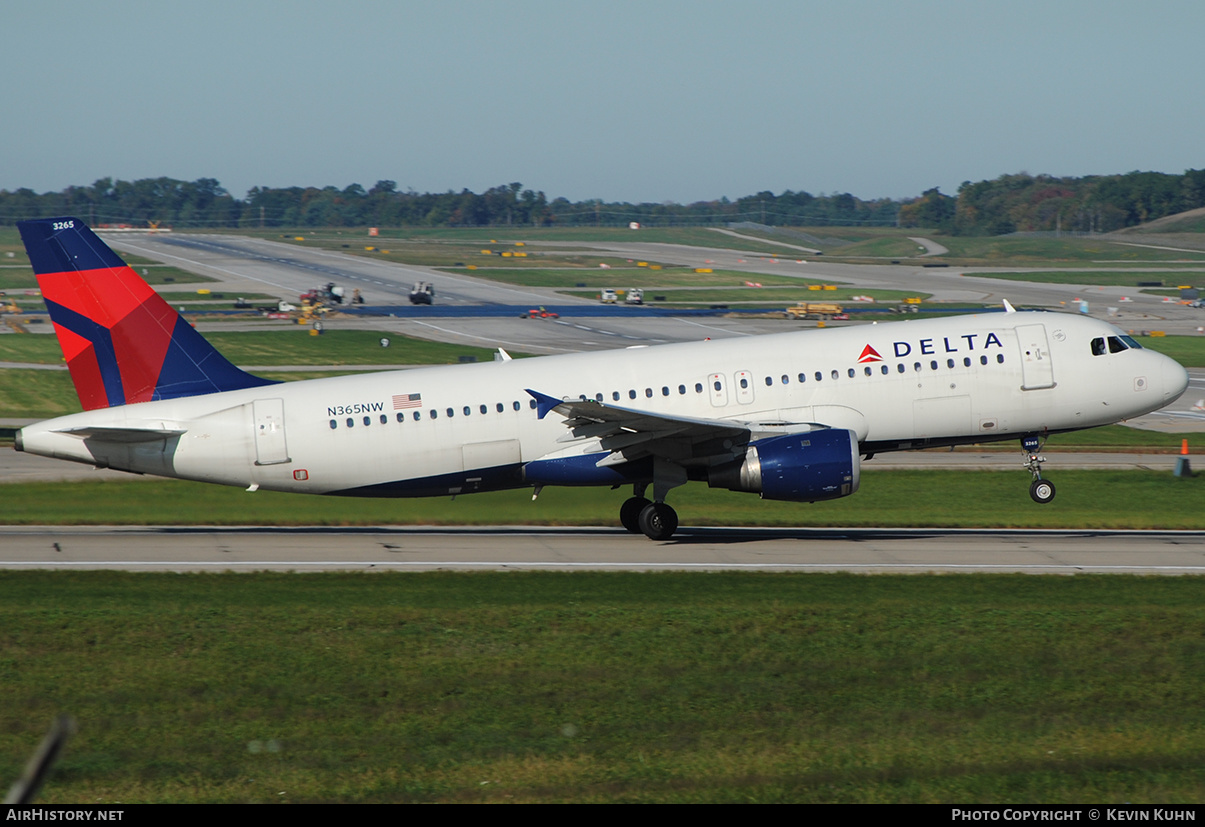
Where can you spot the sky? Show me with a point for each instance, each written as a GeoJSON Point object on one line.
{"type": "Point", "coordinates": [622, 100]}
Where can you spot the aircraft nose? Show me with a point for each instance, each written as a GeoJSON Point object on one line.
{"type": "Point", "coordinates": [1175, 379]}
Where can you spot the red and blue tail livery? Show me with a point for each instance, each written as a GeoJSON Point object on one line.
{"type": "Point", "coordinates": [123, 343]}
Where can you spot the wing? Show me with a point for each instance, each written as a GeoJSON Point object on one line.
{"type": "Point", "coordinates": [626, 434]}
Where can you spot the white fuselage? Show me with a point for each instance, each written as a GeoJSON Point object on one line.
{"type": "Point", "coordinates": [895, 385]}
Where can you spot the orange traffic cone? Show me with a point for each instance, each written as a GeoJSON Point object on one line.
{"type": "Point", "coordinates": [1183, 469]}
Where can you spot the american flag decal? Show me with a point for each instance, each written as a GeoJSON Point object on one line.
{"type": "Point", "coordinates": [407, 400]}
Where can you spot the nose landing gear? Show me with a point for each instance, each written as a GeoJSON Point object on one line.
{"type": "Point", "coordinates": [1040, 491]}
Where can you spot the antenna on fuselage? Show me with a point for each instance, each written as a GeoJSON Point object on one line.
{"type": "Point", "coordinates": [1008, 308]}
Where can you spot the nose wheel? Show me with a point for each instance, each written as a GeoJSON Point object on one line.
{"type": "Point", "coordinates": [1040, 491]}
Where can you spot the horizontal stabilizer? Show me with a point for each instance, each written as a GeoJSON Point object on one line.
{"type": "Point", "coordinates": [122, 435]}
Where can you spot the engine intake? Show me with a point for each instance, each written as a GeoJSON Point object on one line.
{"type": "Point", "coordinates": [817, 465]}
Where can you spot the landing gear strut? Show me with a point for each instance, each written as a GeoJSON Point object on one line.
{"type": "Point", "coordinates": [1040, 491]}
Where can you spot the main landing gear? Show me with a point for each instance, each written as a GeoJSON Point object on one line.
{"type": "Point", "coordinates": [655, 520]}
{"type": "Point", "coordinates": [1040, 491]}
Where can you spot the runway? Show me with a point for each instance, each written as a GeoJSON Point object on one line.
{"type": "Point", "coordinates": [863, 550]}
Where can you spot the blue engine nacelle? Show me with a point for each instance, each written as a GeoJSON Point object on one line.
{"type": "Point", "coordinates": [816, 465]}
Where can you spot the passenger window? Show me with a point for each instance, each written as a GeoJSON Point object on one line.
{"type": "Point", "coordinates": [351, 422]}
{"type": "Point", "coordinates": [401, 417]}
{"type": "Point", "coordinates": [1000, 358]}
{"type": "Point", "coordinates": [966, 361]}
{"type": "Point", "coordinates": [434, 414]}
{"type": "Point", "coordinates": [698, 387]}
{"type": "Point", "coordinates": [900, 367]}
{"type": "Point", "coordinates": [983, 360]}
{"type": "Point", "coordinates": [819, 376]}
{"type": "Point", "coordinates": [769, 381]}
{"type": "Point", "coordinates": [335, 424]}
{"type": "Point", "coordinates": [681, 390]}
{"type": "Point", "coordinates": [665, 390]}
{"type": "Point", "coordinates": [744, 382]}
{"type": "Point", "coordinates": [500, 407]}
{"type": "Point", "coordinates": [885, 370]}
{"type": "Point", "coordinates": [367, 421]}
{"type": "Point", "coordinates": [531, 403]}
{"type": "Point", "coordinates": [803, 377]}
{"type": "Point", "coordinates": [418, 415]}
{"type": "Point", "coordinates": [835, 374]}
{"type": "Point", "coordinates": [866, 370]}
{"type": "Point", "coordinates": [933, 365]}
{"type": "Point", "coordinates": [451, 413]}
{"type": "Point", "coordinates": [917, 366]}
{"type": "Point", "coordinates": [515, 405]}
{"type": "Point", "coordinates": [950, 363]}
{"type": "Point", "coordinates": [786, 380]}
{"type": "Point", "coordinates": [851, 373]}
{"type": "Point", "coordinates": [648, 392]}
{"type": "Point", "coordinates": [632, 394]}
{"type": "Point", "coordinates": [467, 410]}
{"type": "Point", "coordinates": [384, 419]}
{"type": "Point", "coordinates": [615, 396]}
{"type": "Point", "coordinates": [484, 409]}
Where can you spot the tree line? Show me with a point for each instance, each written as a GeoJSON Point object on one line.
{"type": "Point", "coordinates": [1044, 203]}
{"type": "Point", "coordinates": [1010, 203]}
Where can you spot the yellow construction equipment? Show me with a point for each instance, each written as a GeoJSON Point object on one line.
{"type": "Point", "coordinates": [814, 310]}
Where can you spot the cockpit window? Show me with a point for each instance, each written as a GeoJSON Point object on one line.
{"type": "Point", "coordinates": [1129, 340]}
{"type": "Point", "coordinates": [1098, 346]}
{"type": "Point", "coordinates": [1116, 345]}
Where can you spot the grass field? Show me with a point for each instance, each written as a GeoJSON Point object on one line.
{"type": "Point", "coordinates": [1187, 350]}
{"type": "Point", "coordinates": [621, 278]}
{"type": "Point", "coordinates": [1086, 499]}
{"type": "Point", "coordinates": [540, 687]}
{"type": "Point", "coordinates": [1108, 278]}
{"type": "Point", "coordinates": [969, 250]}
{"type": "Point", "coordinates": [476, 239]}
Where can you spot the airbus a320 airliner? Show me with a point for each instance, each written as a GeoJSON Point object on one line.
{"type": "Point", "coordinates": [789, 416]}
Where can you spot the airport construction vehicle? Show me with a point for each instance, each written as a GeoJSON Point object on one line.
{"type": "Point", "coordinates": [423, 292]}
{"type": "Point", "coordinates": [815, 310]}
{"type": "Point", "coordinates": [634, 295]}
{"type": "Point", "coordinates": [327, 295]}
{"type": "Point", "coordinates": [608, 296]}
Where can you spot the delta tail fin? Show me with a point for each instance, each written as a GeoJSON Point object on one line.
{"type": "Point", "coordinates": [122, 342]}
